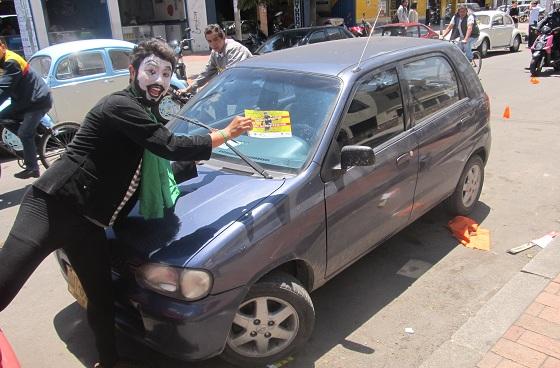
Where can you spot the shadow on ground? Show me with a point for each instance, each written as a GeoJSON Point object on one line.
{"type": "Point", "coordinates": [343, 305]}
{"type": "Point", "coordinates": [13, 198]}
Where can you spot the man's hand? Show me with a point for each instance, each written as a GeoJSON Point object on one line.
{"type": "Point", "coordinates": [238, 126]}
{"type": "Point", "coordinates": [184, 91]}
{"type": "Point", "coordinates": [463, 41]}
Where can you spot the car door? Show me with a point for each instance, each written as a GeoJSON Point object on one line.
{"type": "Point", "coordinates": [499, 36]}
{"type": "Point", "coordinates": [80, 80]}
{"type": "Point", "coordinates": [442, 114]}
{"type": "Point", "coordinates": [509, 26]}
{"type": "Point", "coordinates": [365, 205]}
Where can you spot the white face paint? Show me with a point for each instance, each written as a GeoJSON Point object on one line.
{"type": "Point", "coordinates": [154, 77]}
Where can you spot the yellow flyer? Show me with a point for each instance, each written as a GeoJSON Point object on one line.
{"type": "Point", "coordinates": [270, 124]}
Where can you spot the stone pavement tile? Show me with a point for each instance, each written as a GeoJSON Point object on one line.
{"type": "Point", "coordinates": [550, 314]}
{"type": "Point", "coordinates": [549, 299]}
{"type": "Point", "coordinates": [509, 364]}
{"type": "Point", "coordinates": [552, 288]}
{"type": "Point", "coordinates": [490, 360]}
{"type": "Point", "coordinates": [551, 362]}
{"type": "Point", "coordinates": [541, 343]}
{"type": "Point", "coordinates": [557, 279]}
{"type": "Point", "coordinates": [539, 325]}
{"type": "Point", "coordinates": [535, 308]}
{"type": "Point", "coordinates": [519, 353]}
{"type": "Point", "coordinates": [514, 332]}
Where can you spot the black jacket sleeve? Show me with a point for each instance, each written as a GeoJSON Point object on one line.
{"type": "Point", "coordinates": [184, 170]}
{"type": "Point", "coordinates": [12, 74]}
{"type": "Point", "coordinates": [129, 117]}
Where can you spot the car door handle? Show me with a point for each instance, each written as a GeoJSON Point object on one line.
{"type": "Point", "coordinates": [404, 159]}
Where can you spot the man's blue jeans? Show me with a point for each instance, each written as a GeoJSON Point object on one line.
{"type": "Point", "coordinates": [467, 47]}
{"type": "Point", "coordinates": [26, 134]}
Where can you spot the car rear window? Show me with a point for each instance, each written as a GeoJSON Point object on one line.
{"type": "Point", "coordinates": [80, 65]}
{"type": "Point", "coordinates": [432, 84]}
{"type": "Point", "coordinates": [41, 65]}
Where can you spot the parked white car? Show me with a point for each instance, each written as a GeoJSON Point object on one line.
{"type": "Point", "coordinates": [497, 32]}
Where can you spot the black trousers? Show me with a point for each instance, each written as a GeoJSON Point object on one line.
{"type": "Point", "coordinates": [43, 225]}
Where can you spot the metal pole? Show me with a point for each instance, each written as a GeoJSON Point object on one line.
{"type": "Point", "coordinates": [237, 16]}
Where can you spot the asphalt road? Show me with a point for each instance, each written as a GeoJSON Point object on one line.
{"type": "Point", "coordinates": [421, 279]}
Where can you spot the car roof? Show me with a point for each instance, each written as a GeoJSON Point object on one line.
{"type": "Point", "coordinates": [65, 48]}
{"type": "Point", "coordinates": [489, 12]}
{"type": "Point", "coordinates": [401, 25]}
{"type": "Point", "coordinates": [305, 29]}
{"type": "Point", "coordinates": [333, 57]}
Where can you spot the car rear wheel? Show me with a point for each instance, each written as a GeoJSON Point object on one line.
{"type": "Point", "coordinates": [516, 44]}
{"type": "Point", "coordinates": [276, 317]}
{"type": "Point", "coordinates": [467, 192]}
{"type": "Point", "coordinates": [484, 47]}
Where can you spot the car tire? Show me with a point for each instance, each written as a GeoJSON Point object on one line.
{"type": "Point", "coordinates": [484, 47]}
{"type": "Point", "coordinates": [167, 103]}
{"type": "Point", "coordinates": [289, 313]}
{"type": "Point", "coordinates": [466, 194]}
{"type": "Point", "coordinates": [516, 44]}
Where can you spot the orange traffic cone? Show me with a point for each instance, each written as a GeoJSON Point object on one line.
{"type": "Point", "coordinates": [535, 80]}
{"type": "Point", "coordinates": [507, 112]}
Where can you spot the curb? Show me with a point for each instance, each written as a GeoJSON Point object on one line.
{"type": "Point", "coordinates": [468, 345]}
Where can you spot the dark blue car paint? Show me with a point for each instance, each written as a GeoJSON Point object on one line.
{"type": "Point", "coordinates": [241, 227]}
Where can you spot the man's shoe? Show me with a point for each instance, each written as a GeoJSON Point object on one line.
{"type": "Point", "coordinates": [26, 174]}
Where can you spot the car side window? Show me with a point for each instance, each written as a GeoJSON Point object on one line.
{"type": "Point", "coordinates": [333, 34]}
{"type": "Point", "coordinates": [432, 85]}
{"type": "Point", "coordinates": [497, 20]}
{"type": "Point", "coordinates": [423, 31]}
{"type": "Point", "coordinates": [508, 20]}
{"type": "Point", "coordinates": [412, 31]}
{"type": "Point", "coordinates": [120, 59]}
{"type": "Point", "coordinates": [80, 65]}
{"type": "Point", "coordinates": [375, 114]}
{"type": "Point", "coordinates": [318, 36]}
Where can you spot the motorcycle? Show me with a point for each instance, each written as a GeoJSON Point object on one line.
{"type": "Point", "coordinates": [544, 53]}
{"type": "Point", "coordinates": [360, 31]}
{"type": "Point", "coordinates": [179, 47]}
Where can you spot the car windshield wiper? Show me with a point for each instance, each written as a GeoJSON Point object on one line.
{"type": "Point", "coordinates": [258, 168]}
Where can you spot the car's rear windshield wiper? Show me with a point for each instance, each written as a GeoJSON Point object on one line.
{"type": "Point", "coordinates": [258, 168]}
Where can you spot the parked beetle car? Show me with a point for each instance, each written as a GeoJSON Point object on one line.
{"type": "Point", "coordinates": [80, 73]}
{"type": "Point", "coordinates": [359, 152]}
{"type": "Point", "coordinates": [303, 36]}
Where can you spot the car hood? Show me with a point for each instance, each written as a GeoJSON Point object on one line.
{"type": "Point", "coordinates": [207, 206]}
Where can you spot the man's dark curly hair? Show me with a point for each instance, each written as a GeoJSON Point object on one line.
{"type": "Point", "coordinates": [152, 47]}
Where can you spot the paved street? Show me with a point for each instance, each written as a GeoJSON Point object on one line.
{"type": "Point", "coordinates": [421, 279]}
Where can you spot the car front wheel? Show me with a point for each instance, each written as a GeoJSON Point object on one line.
{"type": "Point", "coordinates": [516, 43]}
{"type": "Point", "coordinates": [276, 317]}
{"type": "Point", "coordinates": [467, 192]}
{"type": "Point", "coordinates": [484, 47]}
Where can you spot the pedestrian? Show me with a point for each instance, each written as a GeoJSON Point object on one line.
{"type": "Point", "coordinates": [224, 54]}
{"type": "Point", "coordinates": [402, 12]}
{"type": "Point", "coordinates": [534, 11]}
{"type": "Point", "coordinates": [463, 26]}
{"type": "Point", "coordinates": [514, 13]}
{"type": "Point", "coordinates": [117, 156]}
{"type": "Point", "coordinates": [30, 101]}
{"type": "Point", "coordinates": [413, 14]}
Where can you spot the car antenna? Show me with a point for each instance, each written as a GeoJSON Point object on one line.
{"type": "Point", "coordinates": [357, 68]}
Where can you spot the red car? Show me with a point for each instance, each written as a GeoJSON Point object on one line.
{"type": "Point", "coordinates": [7, 356]}
{"type": "Point", "coordinates": [406, 30]}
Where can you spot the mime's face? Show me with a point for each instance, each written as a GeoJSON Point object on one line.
{"type": "Point", "coordinates": [154, 78]}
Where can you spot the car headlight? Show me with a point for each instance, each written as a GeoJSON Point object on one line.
{"type": "Point", "coordinates": [182, 283]}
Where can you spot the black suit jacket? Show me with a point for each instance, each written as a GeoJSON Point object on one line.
{"type": "Point", "coordinates": [96, 171]}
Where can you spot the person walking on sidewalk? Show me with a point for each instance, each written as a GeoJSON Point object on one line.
{"type": "Point", "coordinates": [402, 12]}
{"type": "Point", "coordinates": [534, 11]}
{"type": "Point", "coordinates": [514, 13]}
{"type": "Point", "coordinates": [120, 153]}
{"type": "Point", "coordinates": [30, 101]}
{"type": "Point", "coordinates": [413, 14]}
{"type": "Point", "coordinates": [225, 53]}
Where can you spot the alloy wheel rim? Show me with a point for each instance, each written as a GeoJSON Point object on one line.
{"type": "Point", "coordinates": [471, 185]}
{"type": "Point", "coordinates": [262, 327]}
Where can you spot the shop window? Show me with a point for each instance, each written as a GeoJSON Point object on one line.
{"type": "Point", "coordinates": [80, 65]}
{"type": "Point", "coordinates": [376, 112]}
{"type": "Point", "coordinates": [120, 59]}
{"type": "Point", "coordinates": [432, 84]}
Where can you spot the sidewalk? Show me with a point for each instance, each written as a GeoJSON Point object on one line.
{"type": "Point", "coordinates": [519, 327]}
{"type": "Point", "coordinates": [533, 341]}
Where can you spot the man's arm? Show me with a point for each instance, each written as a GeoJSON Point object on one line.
{"type": "Point", "coordinates": [236, 54]}
{"type": "Point", "coordinates": [210, 71]}
{"type": "Point", "coordinates": [449, 28]}
{"type": "Point", "coordinates": [12, 74]}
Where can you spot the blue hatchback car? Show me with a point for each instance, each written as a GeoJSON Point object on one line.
{"type": "Point", "coordinates": [344, 155]}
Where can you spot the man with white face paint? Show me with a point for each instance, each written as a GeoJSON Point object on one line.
{"type": "Point", "coordinates": [115, 157]}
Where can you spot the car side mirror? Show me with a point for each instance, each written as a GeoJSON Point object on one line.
{"type": "Point", "coordinates": [356, 156]}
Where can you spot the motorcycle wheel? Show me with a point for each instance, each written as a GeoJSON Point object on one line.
{"type": "Point", "coordinates": [536, 65]}
{"type": "Point", "coordinates": [166, 105]}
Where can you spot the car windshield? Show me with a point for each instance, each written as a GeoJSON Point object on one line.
{"type": "Point", "coordinates": [390, 31]}
{"type": "Point", "coordinates": [289, 109]}
{"type": "Point", "coordinates": [41, 65]}
{"type": "Point", "coordinates": [483, 19]}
